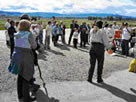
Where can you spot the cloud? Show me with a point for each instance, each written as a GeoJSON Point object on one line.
{"type": "Point", "coordinates": [69, 6]}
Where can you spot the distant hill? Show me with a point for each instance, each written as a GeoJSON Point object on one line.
{"type": "Point", "coordinates": [48, 14]}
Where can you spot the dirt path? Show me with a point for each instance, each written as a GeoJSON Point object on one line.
{"type": "Point", "coordinates": [62, 63]}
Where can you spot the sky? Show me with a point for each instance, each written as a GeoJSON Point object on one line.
{"type": "Point", "coordinates": [122, 7]}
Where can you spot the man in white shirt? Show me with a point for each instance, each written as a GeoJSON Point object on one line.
{"type": "Point", "coordinates": [125, 39]}
{"type": "Point", "coordinates": [115, 26]}
{"type": "Point", "coordinates": [47, 35]}
{"type": "Point", "coordinates": [7, 25]}
{"type": "Point", "coordinates": [99, 41]}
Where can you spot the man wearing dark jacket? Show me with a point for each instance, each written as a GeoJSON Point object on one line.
{"type": "Point", "coordinates": [72, 26]}
{"type": "Point", "coordinates": [11, 31]}
{"type": "Point", "coordinates": [83, 30]}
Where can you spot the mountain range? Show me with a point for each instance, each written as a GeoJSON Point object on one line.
{"type": "Point", "coordinates": [49, 14]}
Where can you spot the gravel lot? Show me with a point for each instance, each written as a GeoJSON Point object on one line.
{"type": "Point", "coordinates": [62, 63]}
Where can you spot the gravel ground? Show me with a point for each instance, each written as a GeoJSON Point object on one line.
{"type": "Point", "coordinates": [62, 63]}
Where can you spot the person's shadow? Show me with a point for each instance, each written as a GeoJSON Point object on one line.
{"type": "Point", "coordinates": [42, 97]}
{"type": "Point", "coordinates": [117, 92]}
{"type": "Point", "coordinates": [63, 47]}
{"type": "Point", "coordinates": [42, 56]}
{"type": "Point", "coordinates": [56, 52]}
{"type": "Point", "coordinates": [133, 90]}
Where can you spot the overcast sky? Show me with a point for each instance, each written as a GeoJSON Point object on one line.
{"type": "Point", "coordinates": [122, 7]}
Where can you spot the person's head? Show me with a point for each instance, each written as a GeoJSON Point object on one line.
{"type": "Point", "coordinates": [25, 17]}
{"type": "Point", "coordinates": [114, 23]}
{"type": "Point", "coordinates": [133, 30]}
{"type": "Point", "coordinates": [126, 24]}
{"type": "Point", "coordinates": [84, 23]}
{"type": "Point", "coordinates": [61, 23]}
{"type": "Point", "coordinates": [110, 25]}
{"type": "Point", "coordinates": [75, 29]}
{"type": "Point", "coordinates": [49, 22]}
{"type": "Point", "coordinates": [12, 23]}
{"type": "Point", "coordinates": [8, 20]}
{"type": "Point", "coordinates": [57, 24]}
{"type": "Point", "coordinates": [53, 17]}
{"type": "Point", "coordinates": [123, 24]}
{"type": "Point", "coordinates": [73, 21]}
{"type": "Point", "coordinates": [24, 25]}
{"type": "Point", "coordinates": [99, 24]}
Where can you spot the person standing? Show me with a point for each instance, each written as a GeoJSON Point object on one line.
{"type": "Point", "coordinates": [115, 26]}
{"type": "Point", "coordinates": [88, 33]}
{"type": "Point", "coordinates": [133, 34]}
{"type": "Point", "coordinates": [125, 39]}
{"type": "Point", "coordinates": [63, 27]}
{"type": "Point", "coordinates": [54, 34]}
{"type": "Point", "coordinates": [7, 25]}
{"type": "Point", "coordinates": [47, 35]}
{"type": "Point", "coordinates": [98, 41]}
{"type": "Point", "coordinates": [23, 59]}
{"type": "Point", "coordinates": [11, 31]}
{"type": "Point", "coordinates": [40, 26]}
{"type": "Point", "coordinates": [75, 38]}
{"type": "Point", "coordinates": [58, 32]}
{"type": "Point", "coordinates": [72, 26]}
{"type": "Point", "coordinates": [83, 30]}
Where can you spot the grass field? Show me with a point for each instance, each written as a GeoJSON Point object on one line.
{"type": "Point", "coordinates": [66, 22]}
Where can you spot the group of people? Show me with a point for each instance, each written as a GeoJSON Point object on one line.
{"type": "Point", "coordinates": [83, 30]}
{"type": "Point", "coordinates": [25, 38]}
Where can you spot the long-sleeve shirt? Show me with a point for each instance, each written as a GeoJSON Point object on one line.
{"type": "Point", "coordinates": [48, 30]}
{"type": "Point", "coordinates": [100, 37]}
{"type": "Point", "coordinates": [53, 27]}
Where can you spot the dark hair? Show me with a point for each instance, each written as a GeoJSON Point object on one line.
{"type": "Point", "coordinates": [126, 24]}
{"type": "Point", "coordinates": [49, 22]}
{"type": "Point", "coordinates": [24, 16]}
{"type": "Point", "coordinates": [106, 25]}
{"type": "Point", "coordinates": [99, 24]}
{"type": "Point", "coordinates": [11, 22]}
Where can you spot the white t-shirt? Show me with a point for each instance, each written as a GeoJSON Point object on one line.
{"type": "Point", "coordinates": [7, 25]}
{"type": "Point", "coordinates": [48, 30]}
{"type": "Point", "coordinates": [75, 35]}
{"type": "Point", "coordinates": [115, 27]}
{"type": "Point", "coordinates": [126, 34]}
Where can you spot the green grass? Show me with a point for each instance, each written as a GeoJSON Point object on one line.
{"type": "Point", "coordinates": [67, 22]}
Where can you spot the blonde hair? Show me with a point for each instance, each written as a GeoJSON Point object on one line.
{"type": "Point", "coordinates": [24, 25]}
